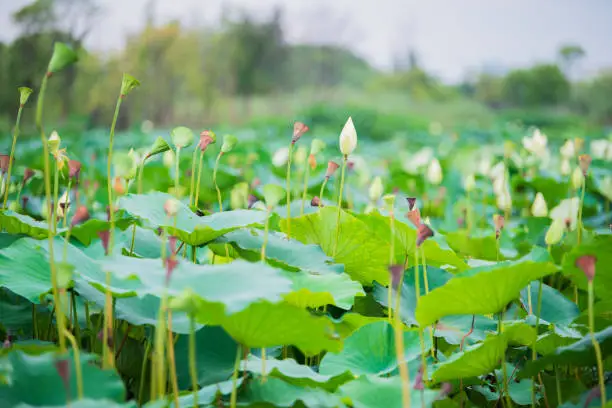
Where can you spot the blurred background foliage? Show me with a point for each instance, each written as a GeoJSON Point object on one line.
{"type": "Point", "coordinates": [244, 70]}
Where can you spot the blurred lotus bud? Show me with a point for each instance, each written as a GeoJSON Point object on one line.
{"type": "Point", "coordinates": [4, 163]}
{"type": "Point", "coordinates": [317, 146]}
{"type": "Point", "coordinates": [469, 183]}
{"type": "Point", "coordinates": [6, 344]}
{"type": "Point", "coordinates": [300, 155]}
{"type": "Point", "coordinates": [229, 142]}
{"type": "Point", "coordinates": [24, 94]}
{"type": "Point", "coordinates": [280, 157]}
{"type": "Point", "coordinates": [171, 207]}
{"type": "Point", "coordinates": [414, 216]}
{"type": "Point", "coordinates": [566, 168]}
{"type": "Point", "coordinates": [63, 370]}
{"type": "Point", "coordinates": [128, 83]}
{"type": "Point", "coordinates": [389, 200]}
{"type": "Point", "coordinates": [568, 150]}
{"type": "Point", "coordinates": [273, 194]}
{"type": "Point", "coordinates": [504, 200]}
{"type": "Point", "coordinates": [62, 56]}
{"type": "Point", "coordinates": [24, 201]}
{"type": "Point", "coordinates": [348, 138]}
{"type": "Point", "coordinates": [74, 169]}
{"type": "Point", "coordinates": [445, 390]}
{"type": "Point", "coordinates": [418, 381]}
{"type": "Point", "coordinates": [239, 196]}
{"type": "Point", "coordinates": [376, 189]}
{"type": "Point", "coordinates": [316, 202]}
{"type": "Point", "coordinates": [578, 144]}
{"type": "Point", "coordinates": [554, 234]}
{"type": "Point", "coordinates": [110, 341]}
{"type": "Point", "coordinates": [539, 207]}
{"type": "Point", "coordinates": [170, 263]}
{"type": "Point", "coordinates": [104, 237]}
{"type": "Point", "coordinates": [252, 200]}
{"type": "Point", "coordinates": [411, 202]}
{"type": "Point", "coordinates": [119, 186]}
{"type": "Point", "coordinates": [207, 137]}
{"type": "Point", "coordinates": [181, 137]}
{"type": "Point", "coordinates": [63, 204]}
{"type": "Point", "coordinates": [584, 161]}
{"type": "Point", "coordinates": [586, 263]}
{"type": "Point", "coordinates": [396, 272]}
{"type": "Point", "coordinates": [509, 148]}
{"type": "Point", "coordinates": [28, 173]}
{"type": "Point", "coordinates": [54, 142]}
{"type": "Point", "coordinates": [168, 158]}
{"type": "Point", "coordinates": [577, 178]}
{"type": "Point", "coordinates": [80, 215]}
{"type": "Point", "coordinates": [434, 172]}
{"type": "Point", "coordinates": [498, 222]}
{"type": "Point", "coordinates": [331, 169]}
{"type": "Point", "coordinates": [298, 130]}
{"type": "Point", "coordinates": [187, 302]}
{"type": "Point", "coordinates": [350, 165]}
{"type": "Point", "coordinates": [312, 162]}
{"type": "Point", "coordinates": [423, 232]}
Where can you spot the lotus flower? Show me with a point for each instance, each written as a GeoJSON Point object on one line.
{"type": "Point", "coordinates": [434, 172]}
{"type": "Point", "coordinates": [280, 157]}
{"type": "Point", "coordinates": [554, 234]}
{"type": "Point", "coordinates": [567, 212]}
{"type": "Point", "coordinates": [331, 169]}
{"type": "Point", "coordinates": [498, 171]}
{"type": "Point", "coordinates": [586, 263]}
{"type": "Point", "coordinates": [539, 207]}
{"type": "Point", "coordinates": [348, 138]}
{"type": "Point", "coordinates": [251, 200]}
{"type": "Point", "coordinates": [423, 232]}
{"type": "Point", "coordinates": [298, 130]}
{"type": "Point", "coordinates": [601, 149]}
{"type": "Point", "coordinates": [171, 207]}
{"type": "Point", "coordinates": [536, 144]}
{"type": "Point", "coordinates": [312, 161]}
{"type": "Point", "coordinates": [376, 189]}
{"type": "Point", "coordinates": [568, 150]}
{"type": "Point", "coordinates": [63, 204]}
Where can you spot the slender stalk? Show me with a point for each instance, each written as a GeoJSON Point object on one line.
{"type": "Point", "coordinates": [67, 208]}
{"type": "Point", "coordinates": [391, 262]}
{"type": "Point", "coordinates": [322, 190]}
{"type": "Point", "coordinates": [12, 155]}
{"type": "Point", "coordinates": [529, 298]}
{"type": "Point", "coordinates": [197, 192]}
{"type": "Point", "coordinates": [344, 160]}
{"type": "Point", "coordinates": [55, 205]}
{"type": "Point", "coordinates": [533, 347]}
{"type": "Point", "coordinates": [172, 361]}
{"type": "Point", "coordinates": [138, 191]}
{"type": "Point", "coordinates": [43, 138]}
{"type": "Point", "coordinates": [177, 172]}
{"type": "Point", "coordinates": [305, 191]}
{"type": "Point", "coordinates": [34, 322]}
{"type": "Point", "coordinates": [193, 169]}
{"type": "Point", "coordinates": [193, 371]}
{"type": "Point", "coordinates": [600, 369]}
{"type": "Point", "coordinates": [215, 181]}
{"type": "Point", "coordinates": [160, 360]}
{"type": "Point", "coordinates": [143, 371]}
{"type": "Point", "coordinates": [235, 377]}
{"type": "Point", "coordinates": [109, 176]}
{"type": "Point", "coordinates": [289, 191]}
{"type": "Point", "coordinates": [77, 363]}
{"type": "Point", "coordinates": [263, 259]}
{"type": "Point", "coordinates": [401, 359]}
{"type": "Point", "coordinates": [108, 360]}
{"type": "Point", "coordinates": [580, 211]}
{"type": "Point", "coordinates": [76, 325]}
{"type": "Point", "coordinates": [425, 279]}
{"type": "Point", "coordinates": [558, 386]}
{"type": "Point", "coordinates": [504, 389]}
{"type": "Point", "coordinates": [417, 288]}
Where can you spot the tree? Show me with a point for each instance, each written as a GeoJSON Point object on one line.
{"type": "Point", "coordinates": [569, 54]}
{"type": "Point", "coordinates": [541, 85]}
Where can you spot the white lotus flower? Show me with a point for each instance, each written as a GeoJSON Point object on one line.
{"type": "Point", "coordinates": [568, 150]}
{"type": "Point", "coordinates": [434, 172]}
{"type": "Point", "coordinates": [504, 200]}
{"type": "Point", "coordinates": [536, 144]}
{"type": "Point", "coordinates": [555, 232]}
{"type": "Point", "coordinates": [567, 212]}
{"type": "Point", "coordinates": [280, 157]}
{"type": "Point", "coordinates": [499, 185]}
{"type": "Point", "coordinates": [418, 160]}
{"type": "Point", "coordinates": [376, 189]}
{"type": "Point", "coordinates": [498, 171]}
{"type": "Point", "coordinates": [601, 149]}
{"type": "Point", "coordinates": [566, 168]}
{"type": "Point", "coordinates": [484, 165]}
{"type": "Point", "coordinates": [577, 178]}
{"type": "Point", "coordinates": [469, 182]}
{"type": "Point", "coordinates": [539, 207]}
{"type": "Point", "coordinates": [606, 187]}
{"type": "Point", "coordinates": [348, 138]}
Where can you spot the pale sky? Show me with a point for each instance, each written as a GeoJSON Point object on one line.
{"type": "Point", "coordinates": [451, 37]}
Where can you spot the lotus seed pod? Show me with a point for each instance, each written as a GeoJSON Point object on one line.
{"type": "Point", "coordinates": [128, 83]}
{"type": "Point", "coordinates": [24, 94]}
{"type": "Point", "coordinates": [229, 142]}
{"type": "Point", "coordinates": [584, 162]}
{"type": "Point", "coordinates": [332, 166]}
{"type": "Point", "coordinates": [298, 131]}
{"type": "Point", "coordinates": [348, 138]}
{"type": "Point", "coordinates": [181, 136]}
{"type": "Point", "coordinates": [62, 56]}
{"type": "Point", "coordinates": [207, 137]}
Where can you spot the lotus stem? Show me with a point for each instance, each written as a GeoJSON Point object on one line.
{"type": "Point", "coordinates": [143, 371]}
{"type": "Point", "coordinates": [41, 130]}
{"type": "Point", "coordinates": [391, 262]}
{"type": "Point", "coordinates": [12, 155]}
{"type": "Point", "coordinates": [426, 282]}
{"type": "Point", "coordinates": [533, 347]}
{"type": "Point", "coordinates": [197, 192]}
{"type": "Point", "coordinates": [600, 369]}
{"type": "Point", "coordinates": [172, 361]}
{"type": "Point", "coordinates": [138, 191]}
{"type": "Point", "coordinates": [529, 298]}
{"type": "Point", "coordinates": [305, 191]}
{"type": "Point", "coordinates": [263, 259]}
{"type": "Point", "coordinates": [35, 322]}
{"type": "Point", "coordinates": [558, 386]}
{"type": "Point", "coordinates": [325, 180]}
{"type": "Point", "coordinates": [289, 191]}
{"type": "Point", "coordinates": [108, 360]}
{"type": "Point", "coordinates": [579, 225]}
{"type": "Point", "coordinates": [77, 363]}
{"type": "Point", "coordinates": [193, 371]}
{"type": "Point", "coordinates": [215, 181]}
{"type": "Point", "coordinates": [403, 367]}
{"type": "Point", "coordinates": [417, 287]}
{"type": "Point", "coordinates": [235, 377]}
{"type": "Point", "coordinates": [344, 160]}
{"type": "Point", "coordinates": [504, 389]}
{"type": "Point", "coordinates": [193, 169]}
{"type": "Point", "coordinates": [177, 173]}
{"type": "Point", "coordinates": [77, 327]}
{"type": "Point", "coordinates": [109, 166]}
{"type": "Point", "coordinates": [55, 203]}
{"type": "Point", "coordinates": [160, 335]}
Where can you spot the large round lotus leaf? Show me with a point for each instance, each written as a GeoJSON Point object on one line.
{"type": "Point", "coordinates": [481, 247]}
{"type": "Point", "coordinates": [264, 324]}
{"type": "Point", "coordinates": [88, 231]}
{"type": "Point", "coordinates": [520, 391]}
{"type": "Point", "coordinates": [190, 228]}
{"type": "Point", "coordinates": [310, 290]}
{"type": "Point", "coordinates": [365, 257]}
{"type": "Point", "coordinates": [556, 308]}
{"type": "Point", "coordinates": [35, 380]}
{"type": "Point", "coordinates": [282, 394]}
{"type": "Point", "coordinates": [481, 290]}
{"type": "Point", "coordinates": [89, 403]}
{"type": "Point", "coordinates": [208, 394]}
{"type": "Point", "coordinates": [371, 350]}
{"type": "Point", "coordinates": [369, 391]}
{"type": "Point", "coordinates": [600, 247]}
{"type": "Point", "coordinates": [15, 223]}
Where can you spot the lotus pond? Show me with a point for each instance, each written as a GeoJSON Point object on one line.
{"type": "Point", "coordinates": [299, 267]}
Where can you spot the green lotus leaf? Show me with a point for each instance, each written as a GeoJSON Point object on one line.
{"type": "Point", "coordinates": [264, 324]}
{"type": "Point", "coordinates": [453, 329]}
{"type": "Point", "coordinates": [600, 247]}
{"type": "Point", "coordinates": [15, 223]}
{"type": "Point", "coordinates": [520, 391]}
{"type": "Point", "coordinates": [297, 374]}
{"type": "Point", "coordinates": [556, 308]}
{"type": "Point", "coordinates": [519, 333]}
{"type": "Point", "coordinates": [350, 322]}
{"type": "Point", "coordinates": [482, 290]}
{"type": "Point", "coordinates": [190, 228]}
{"type": "Point", "coordinates": [587, 399]}
{"type": "Point", "coordinates": [365, 257]}
{"type": "Point", "coordinates": [208, 394]}
{"type": "Point", "coordinates": [283, 394]}
{"type": "Point", "coordinates": [481, 247]}
{"type": "Point", "coordinates": [87, 232]}
{"type": "Point", "coordinates": [369, 391]}
{"type": "Point", "coordinates": [41, 370]}
{"type": "Point", "coordinates": [310, 290]}
{"type": "Point", "coordinates": [90, 403]}
{"type": "Point", "coordinates": [473, 361]}
{"type": "Point", "coordinates": [16, 313]}
{"type": "Point", "coordinates": [371, 350]}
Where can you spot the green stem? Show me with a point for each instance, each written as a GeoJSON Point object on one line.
{"type": "Point", "coordinates": [558, 385]}
{"type": "Point", "coordinates": [109, 166]}
{"type": "Point", "coordinates": [41, 130]}
{"type": "Point", "coordinates": [177, 173]}
{"type": "Point", "coordinates": [579, 225]}
{"type": "Point", "coordinates": [34, 322]}
{"type": "Point", "coordinates": [600, 368]}
{"type": "Point", "coordinates": [76, 325]}
{"type": "Point", "coordinates": [67, 208]}
{"type": "Point", "coordinates": [192, 361]}
{"type": "Point", "coordinates": [193, 169]}
{"type": "Point", "coordinates": [305, 191]}
{"type": "Point", "coordinates": [504, 388]}
{"type": "Point", "coordinates": [321, 192]}
{"type": "Point", "coordinates": [289, 191]}
{"type": "Point", "coordinates": [172, 361]}
{"type": "Point", "coordinates": [391, 262]}
{"type": "Point", "coordinates": [417, 287]}
{"type": "Point", "coordinates": [197, 193]}
{"type": "Point", "coordinates": [235, 377]}
{"type": "Point", "coordinates": [143, 371]}
{"type": "Point", "coordinates": [139, 183]}
{"type": "Point", "coordinates": [533, 347]}
{"type": "Point", "coordinates": [133, 242]}
{"type": "Point", "coordinates": [77, 363]}
{"type": "Point", "coordinates": [215, 181]}
{"type": "Point", "coordinates": [340, 203]}
{"type": "Point", "coordinates": [12, 155]}
{"type": "Point", "coordinates": [401, 359]}
{"type": "Point", "coordinates": [55, 205]}
{"type": "Point", "coordinates": [263, 259]}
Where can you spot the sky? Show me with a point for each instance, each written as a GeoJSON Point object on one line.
{"type": "Point", "coordinates": [450, 37]}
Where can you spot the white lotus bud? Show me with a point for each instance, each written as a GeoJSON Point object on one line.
{"type": "Point", "coordinates": [280, 157]}
{"type": "Point", "coordinates": [434, 172]}
{"type": "Point", "coordinates": [577, 178]}
{"type": "Point", "coordinates": [539, 207]}
{"type": "Point", "coordinates": [469, 183]}
{"type": "Point", "coordinates": [566, 168]}
{"type": "Point", "coordinates": [568, 150]}
{"type": "Point", "coordinates": [348, 138]}
{"type": "Point", "coordinates": [54, 142]}
{"type": "Point", "coordinates": [376, 189]}
{"type": "Point", "coordinates": [168, 158]}
{"type": "Point", "coordinates": [555, 232]}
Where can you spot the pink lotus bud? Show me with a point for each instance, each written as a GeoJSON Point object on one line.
{"type": "Point", "coordinates": [172, 243]}
{"type": "Point", "coordinates": [584, 161]}
{"type": "Point", "coordinates": [415, 216]}
{"type": "Point", "coordinates": [316, 202]}
{"type": "Point", "coordinates": [171, 263]}
{"type": "Point", "coordinates": [411, 202]}
{"type": "Point", "coordinates": [4, 163]}
{"type": "Point", "coordinates": [63, 369]}
{"type": "Point", "coordinates": [206, 138]}
{"type": "Point", "coordinates": [80, 215]}
{"type": "Point", "coordinates": [298, 130]}
{"type": "Point", "coordinates": [587, 264]}
{"type": "Point", "coordinates": [109, 342]}
{"type": "Point", "coordinates": [423, 233]}
{"type": "Point", "coordinates": [331, 168]}
{"type": "Point", "coordinates": [396, 272]}
{"type": "Point", "coordinates": [104, 237]}
{"type": "Point", "coordinates": [445, 389]}
{"type": "Point", "coordinates": [74, 169]}
{"type": "Point", "coordinates": [350, 165]}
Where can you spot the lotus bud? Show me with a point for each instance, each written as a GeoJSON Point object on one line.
{"type": "Point", "coordinates": [498, 222]}
{"type": "Point", "coordinates": [509, 148]}
{"type": "Point", "coordinates": [348, 138]}
{"type": "Point", "coordinates": [434, 172]}
{"type": "Point", "coordinates": [396, 272]}
{"type": "Point", "coordinates": [27, 175]}
{"type": "Point", "coordinates": [300, 155]}
{"type": "Point", "coordinates": [568, 150]}
{"type": "Point", "coordinates": [389, 200]}
{"type": "Point", "coordinates": [62, 56]}
{"type": "Point", "coordinates": [312, 161]}
{"type": "Point", "coordinates": [74, 169]}
{"type": "Point", "coordinates": [252, 200]}
{"type": "Point", "coordinates": [586, 263]}
{"type": "Point", "coordinates": [229, 142]}
{"type": "Point", "coordinates": [273, 194]}
{"type": "Point", "coordinates": [168, 158]}
{"type": "Point", "coordinates": [469, 183]}
{"type": "Point", "coordinates": [555, 232]}
{"type": "Point", "coordinates": [566, 168]}
{"type": "Point", "coordinates": [577, 178]}
{"type": "Point", "coordinates": [80, 215]}
{"type": "Point", "coordinates": [376, 189]}
{"type": "Point", "coordinates": [423, 232]}
{"type": "Point", "coordinates": [181, 137]}
{"type": "Point", "coordinates": [110, 341]}
{"type": "Point", "coordinates": [119, 186]}
{"type": "Point", "coordinates": [24, 94]}
{"type": "Point", "coordinates": [170, 263]}
{"type": "Point", "coordinates": [411, 202]}
{"type": "Point", "coordinates": [316, 202]}
{"type": "Point", "coordinates": [316, 146]}
{"type": "Point", "coordinates": [104, 237]}
{"type": "Point", "coordinates": [445, 390]}
{"type": "Point", "coordinates": [171, 207]}
{"type": "Point", "coordinates": [539, 207]}
{"type": "Point", "coordinates": [298, 130]}
{"type": "Point", "coordinates": [207, 137]}
{"type": "Point", "coordinates": [415, 216]}
{"type": "Point", "coordinates": [128, 83]}
{"type": "Point", "coordinates": [280, 157]}
{"type": "Point", "coordinates": [239, 196]}
{"type": "Point", "coordinates": [578, 144]}
{"type": "Point", "coordinates": [63, 370]}
{"type": "Point", "coordinates": [54, 143]}
{"type": "Point", "coordinates": [4, 163]}
{"type": "Point", "coordinates": [63, 204]}
{"type": "Point", "coordinates": [350, 165]}
{"type": "Point", "coordinates": [584, 161]}
{"type": "Point", "coordinates": [331, 169]}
